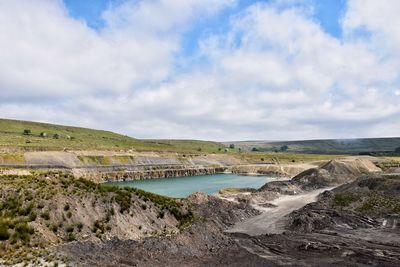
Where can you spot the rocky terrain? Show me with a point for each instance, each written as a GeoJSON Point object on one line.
{"type": "Point", "coordinates": [341, 213]}
{"type": "Point", "coordinates": [354, 224]}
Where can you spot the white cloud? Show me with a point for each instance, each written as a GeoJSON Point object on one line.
{"type": "Point", "coordinates": [274, 74]}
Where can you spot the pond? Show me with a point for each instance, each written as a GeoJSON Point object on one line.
{"type": "Point", "coordinates": [184, 186]}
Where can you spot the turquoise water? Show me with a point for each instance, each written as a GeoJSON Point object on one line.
{"type": "Point", "coordinates": [184, 186]}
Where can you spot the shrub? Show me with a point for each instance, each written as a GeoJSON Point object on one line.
{"type": "Point", "coordinates": [69, 214]}
{"type": "Point", "coordinates": [22, 232]}
{"type": "Point", "coordinates": [32, 216]}
{"type": "Point", "coordinates": [45, 215]}
{"type": "Point", "coordinates": [27, 132]}
{"type": "Point", "coordinates": [4, 234]}
{"type": "Point", "coordinates": [79, 226]}
{"type": "Point", "coordinates": [161, 214]}
{"type": "Point", "coordinates": [54, 228]}
{"type": "Point", "coordinates": [69, 229]}
{"type": "Point", "coordinates": [71, 237]}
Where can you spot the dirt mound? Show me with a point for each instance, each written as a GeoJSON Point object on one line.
{"type": "Point", "coordinates": [334, 172]}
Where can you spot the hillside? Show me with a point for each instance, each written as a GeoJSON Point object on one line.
{"type": "Point", "coordinates": [27, 135]}
{"type": "Point", "coordinates": [328, 146]}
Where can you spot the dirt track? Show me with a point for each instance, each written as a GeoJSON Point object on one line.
{"type": "Point", "coordinates": [272, 220]}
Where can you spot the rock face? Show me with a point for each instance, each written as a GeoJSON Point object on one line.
{"type": "Point", "coordinates": [287, 170]}
{"type": "Point", "coordinates": [104, 175]}
{"type": "Point", "coordinates": [201, 244]}
{"type": "Point", "coordinates": [103, 166]}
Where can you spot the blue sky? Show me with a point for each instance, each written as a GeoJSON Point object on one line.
{"type": "Point", "coordinates": [205, 69]}
{"type": "Point", "coordinates": [327, 13]}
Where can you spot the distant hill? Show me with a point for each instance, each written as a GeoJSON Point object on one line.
{"type": "Point", "coordinates": [29, 135]}
{"type": "Point", "coordinates": [328, 146]}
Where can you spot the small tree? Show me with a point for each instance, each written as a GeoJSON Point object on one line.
{"type": "Point", "coordinates": [232, 146]}
{"type": "Point", "coordinates": [199, 149]}
{"type": "Point", "coordinates": [284, 148]}
{"type": "Point", "coordinates": [27, 132]}
{"type": "Point", "coordinates": [56, 136]}
{"type": "Point", "coordinates": [254, 149]}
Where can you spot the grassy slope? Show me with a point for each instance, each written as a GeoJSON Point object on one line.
{"type": "Point", "coordinates": [342, 146]}
{"type": "Point", "coordinates": [41, 209]}
{"type": "Point", "coordinates": [11, 135]}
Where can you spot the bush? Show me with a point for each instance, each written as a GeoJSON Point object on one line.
{"type": "Point", "coordinates": [71, 237]}
{"type": "Point", "coordinates": [32, 216]}
{"type": "Point", "coordinates": [4, 234]}
{"type": "Point", "coordinates": [79, 226]}
{"type": "Point", "coordinates": [161, 214]}
{"type": "Point", "coordinates": [45, 215]}
{"type": "Point", "coordinates": [69, 229]}
{"type": "Point", "coordinates": [27, 132]}
{"type": "Point", "coordinates": [54, 228]}
{"type": "Point", "coordinates": [22, 232]}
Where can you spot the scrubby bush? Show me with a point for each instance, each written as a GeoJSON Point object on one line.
{"type": "Point", "coordinates": [69, 229]}
{"type": "Point", "coordinates": [45, 215]}
{"type": "Point", "coordinates": [4, 234]}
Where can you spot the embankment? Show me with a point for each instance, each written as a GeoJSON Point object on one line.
{"type": "Point", "coordinates": [103, 166]}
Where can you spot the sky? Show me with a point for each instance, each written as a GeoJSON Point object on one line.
{"type": "Point", "coordinates": [204, 69]}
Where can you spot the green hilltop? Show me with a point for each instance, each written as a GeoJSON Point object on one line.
{"type": "Point", "coordinates": [28, 135]}
{"type": "Point", "coordinates": [374, 146]}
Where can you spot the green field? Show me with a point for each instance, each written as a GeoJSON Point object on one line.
{"type": "Point", "coordinates": [43, 136]}
{"type": "Point", "coordinates": [262, 157]}
{"type": "Point", "coordinates": [329, 146]}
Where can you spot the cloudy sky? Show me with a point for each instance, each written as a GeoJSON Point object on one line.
{"type": "Point", "coordinates": [204, 69]}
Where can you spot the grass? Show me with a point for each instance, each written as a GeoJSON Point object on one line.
{"type": "Point", "coordinates": [260, 157]}
{"type": "Point", "coordinates": [371, 203]}
{"type": "Point", "coordinates": [328, 146]}
{"type": "Point", "coordinates": [12, 136]}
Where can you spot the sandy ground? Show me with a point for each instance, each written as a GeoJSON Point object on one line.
{"type": "Point", "coordinates": [272, 220]}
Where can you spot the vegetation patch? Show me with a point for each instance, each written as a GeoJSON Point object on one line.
{"type": "Point", "coordinates": [48, 202]}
